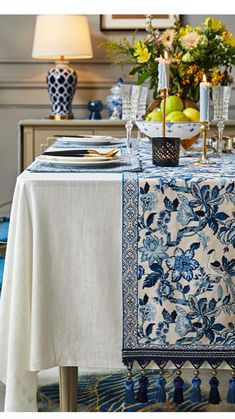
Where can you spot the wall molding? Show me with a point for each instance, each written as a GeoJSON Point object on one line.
{"type": "Point", "coordinates": [28, 61]}
{"type": "Point", "coordinates": [40, 106]}
{"type": "Point", "coordinates": [46, 106]}
{"type": "Point", "coordinates": [82, 84]}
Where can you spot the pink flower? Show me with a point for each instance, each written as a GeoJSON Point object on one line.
{"type": "Point", "coordinates": [190, 40]}
{"type": "Point", "coordinates": [149, 38]}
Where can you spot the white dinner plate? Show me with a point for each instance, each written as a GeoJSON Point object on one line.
{"type": "Point", "coordinates": [91, 139]}
{"type": "Point", "coordinates": [78, 161]}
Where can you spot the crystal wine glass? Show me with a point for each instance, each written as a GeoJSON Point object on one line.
{"type": "Point", "coordinates": [141, 108]}
{"type": "Point", "coordinates": [130, 97]}
{"type": "Point", "coordinates": [220, 101]}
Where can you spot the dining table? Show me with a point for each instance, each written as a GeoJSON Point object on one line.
{"type": "Point", "coordinates": [62, 297]}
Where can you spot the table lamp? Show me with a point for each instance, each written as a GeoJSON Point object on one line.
{"type": "Point", "coordinates": [62, 38]}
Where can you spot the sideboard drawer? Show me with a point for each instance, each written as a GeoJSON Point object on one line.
{"type": "Point", "coordinates": [44, 137]}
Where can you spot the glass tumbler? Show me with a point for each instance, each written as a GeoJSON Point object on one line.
{"type": "Point", "coordinates": [220, 102]}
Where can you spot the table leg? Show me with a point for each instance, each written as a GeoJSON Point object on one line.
{"type": "Point", "coordinates": [68, 389]}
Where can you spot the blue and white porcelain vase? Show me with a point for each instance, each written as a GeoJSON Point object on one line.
{"type": "Point", "coordinates": [61, 83]}
{"type": "Point", "coordinates": [114, 101]}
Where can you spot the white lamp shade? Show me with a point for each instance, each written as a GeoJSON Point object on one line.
{"type": "Point", "coordinates": [64, 36]}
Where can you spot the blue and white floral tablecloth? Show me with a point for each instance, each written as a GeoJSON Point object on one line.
{"type": "Point", "coordinates": [179, 264]}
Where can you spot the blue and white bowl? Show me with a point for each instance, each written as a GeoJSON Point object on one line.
{"type": "Point", "coordinates": [183, 130]}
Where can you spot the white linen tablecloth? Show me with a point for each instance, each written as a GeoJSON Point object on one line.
{"type": "Point", "coordinates": [61, 297]}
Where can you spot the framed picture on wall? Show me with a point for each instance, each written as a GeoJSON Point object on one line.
{"type": "Point", "coordinates": [129, 22]}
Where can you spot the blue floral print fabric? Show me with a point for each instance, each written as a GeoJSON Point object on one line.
{"type": "Point", "coordinates": [179, 264]}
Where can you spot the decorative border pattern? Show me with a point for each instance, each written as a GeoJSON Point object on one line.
{"type": "Point", "coordinates": [130, 259]}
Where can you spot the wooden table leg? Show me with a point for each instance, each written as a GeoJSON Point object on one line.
{"type": "Point", "coordinates": [68, 389]}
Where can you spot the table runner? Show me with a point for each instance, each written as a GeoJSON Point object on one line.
{"type": "Point", "coordinates": [179, 266]}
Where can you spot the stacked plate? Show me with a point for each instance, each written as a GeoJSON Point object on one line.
{"type": "Point", "coordinates": [91, 139]}
{"type": "Point", "coordinates": [82, 156]}
{"type": "Point", "coordinates": [88, 160]}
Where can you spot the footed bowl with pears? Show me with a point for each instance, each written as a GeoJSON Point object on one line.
{"type": "Point", "coordinates": [183, 130]}
{"type": "Point", "coordinates": [187, 130]}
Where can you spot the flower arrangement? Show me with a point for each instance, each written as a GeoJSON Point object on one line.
{"type": "Point", "coordinates": [193, 51]}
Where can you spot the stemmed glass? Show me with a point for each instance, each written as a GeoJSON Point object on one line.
{"type": "Point", "coordinates": [130, 97]}
{"type": "Point", "coordinates": [141, 108]}
{"type": "Point", "coordinates": [220, 101]}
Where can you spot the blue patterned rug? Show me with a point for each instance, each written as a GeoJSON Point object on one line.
{"type": "Point", "coordinates": [105, 393]}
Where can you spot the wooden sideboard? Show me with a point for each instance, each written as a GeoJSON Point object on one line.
{"type": "Point", "coordinates": [36, 134]}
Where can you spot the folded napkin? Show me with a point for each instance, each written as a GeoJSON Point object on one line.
{"type": "Point", "coordinates": [72, 153]}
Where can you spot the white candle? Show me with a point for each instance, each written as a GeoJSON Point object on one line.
{"type": "Point", "coordinates": [163, 72]}
{"type": "Point", "coordinates": [204, 99]}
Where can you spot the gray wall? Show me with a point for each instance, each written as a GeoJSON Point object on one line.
{"type": "Point", "coordinates": [23, 93]}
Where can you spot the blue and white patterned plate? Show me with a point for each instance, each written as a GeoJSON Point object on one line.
{"type": "Point", "coordinates": [182, 130]}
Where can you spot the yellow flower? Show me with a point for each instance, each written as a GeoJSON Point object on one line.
{"type": "Point", "coordinates": [226, 36]}
{"type": "Point", "coordinates": [198, 29]}
{"type": "Point", "coordinates": [141, 52]}
{"type": "Point", "coordinates": [198, 76]}
{"type": "Point", "coordinates": [183, 30]}
{"type": "Point", "coordinates": [216, 77]}
{"type": "Point", "coordinates": [186, 81]}
{"type": "Point", "coordinates": [214, 24]}
{"type": "Point", "coordinates": [215, 72]}
{"type": "Point", "coordinates": [231, 42]}
{"type": "Point", "coordinates": [131, 76]}
{"type": "Point", "coordinates": [192, 69]}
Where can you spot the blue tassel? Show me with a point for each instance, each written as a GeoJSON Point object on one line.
{"type": "Point", "coordinates": [231, 389]}
{"type": "Point", "coordinates": [142, 396]}
{"type": "Point", "coordinates": [214, 396]}
{"type": "Point", "coordinates": [160, 389]}
{"type": "Point", "coordinates": [129, 397]}
{"type": "Point", "coordinates": [196, 396]}
{"type": "Point", "coordinates": [178, 393]}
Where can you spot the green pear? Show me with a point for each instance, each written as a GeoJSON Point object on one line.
{"type": "Point", "coordinates": [173, 103]}
{"type": "Point", "coordinates": [192, 114]}
{"type": "Point", "coordinates": [177, 116]}
{"type": "Point", "coordinates": [154, 116]}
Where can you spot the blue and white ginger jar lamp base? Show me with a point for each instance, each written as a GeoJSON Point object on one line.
{"type": "Point", "coordinates": [61, 83]}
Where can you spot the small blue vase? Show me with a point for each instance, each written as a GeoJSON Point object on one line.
{"type": "Point", "coordinates": [95, 107]}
